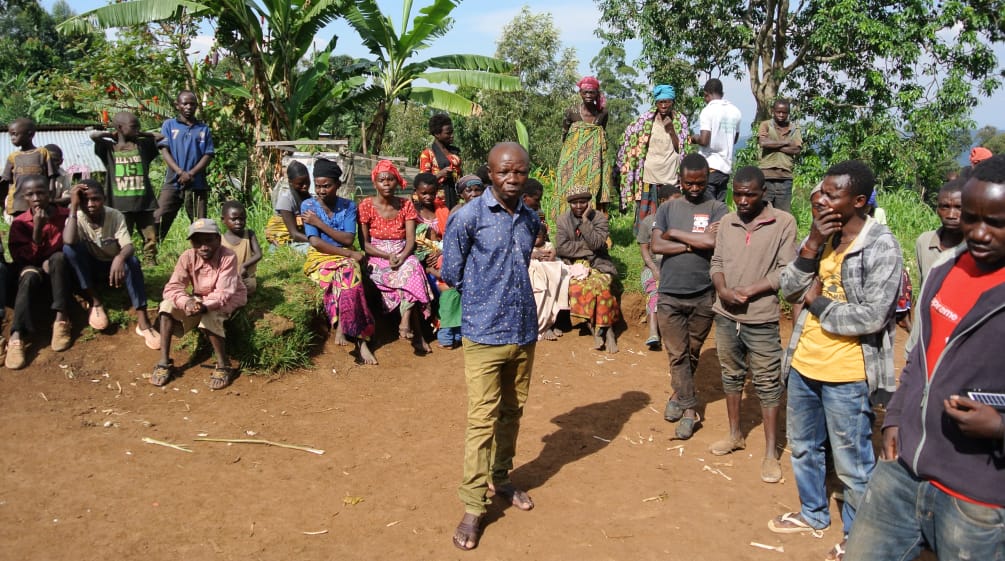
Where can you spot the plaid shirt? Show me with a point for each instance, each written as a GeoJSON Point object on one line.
{"type": "Point", "coordinates": [870, 275]}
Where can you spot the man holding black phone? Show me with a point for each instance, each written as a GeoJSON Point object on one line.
{"type": "Point", "coordinates": [943, 479]}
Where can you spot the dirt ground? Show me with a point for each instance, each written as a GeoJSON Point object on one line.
{"type": "Point", "coordinates": [609, 480]}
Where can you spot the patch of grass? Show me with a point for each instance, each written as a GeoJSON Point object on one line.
{"type": "Point", "coordinates": [275, 331]}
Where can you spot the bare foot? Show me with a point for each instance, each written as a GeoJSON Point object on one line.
{"type": "Point", "coordinates": [598, 339]}
{"type": "Point", "coordinates": [557, 332]}
{"type": "Point", "coordinates": [549, 335]}
{"type": "Point", "coordinates": [340, 339]}
{"type": "Point", "coordinates": [612, 342]}
{"type": "Point", "coordinates": [364, 353]}
{"type": "Point", "coordinates": [420, 345]}
{"type": "Point", "coordinates": [468, 531]}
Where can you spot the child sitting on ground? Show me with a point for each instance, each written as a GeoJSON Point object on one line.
{"type": "Point", "coordinates": [286, 226]}
{"type": "Point", "coordinates": [36, 246]}
{"type": "Point", "coordinates": [98, 247]}
{"type": "Point", "coordinates": [204, 290]}
{"type": "Point", "coordinates": [242, 242]}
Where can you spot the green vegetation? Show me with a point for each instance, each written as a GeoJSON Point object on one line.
{"type": "Point", "coordinates": [278, 330]}
{"type": "Point", "coordinates": [890, 83]}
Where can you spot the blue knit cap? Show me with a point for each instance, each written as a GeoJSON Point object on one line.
{"type": "Point", "coordinates": [664, 91]}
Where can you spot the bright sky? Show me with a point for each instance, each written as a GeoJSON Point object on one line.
{"type": "Point", "coordinates": [478, 24]}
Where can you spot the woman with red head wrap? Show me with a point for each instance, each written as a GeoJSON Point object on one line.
{"type": "Point", "coordinates": [387, 228]}
{"type": "Point", "coordinates": [584, 158]}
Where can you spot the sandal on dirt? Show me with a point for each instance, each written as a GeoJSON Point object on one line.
{"type": "Point", "coordinates": [468, 531]}
{"type": "Point", "coordinates": [837, 552]}
{"type": "Point", "coordinates": [162, 374]}
{"type": "Point", "coordinates": [220, 378]}
{"type": "Point", "coordinates": [791, 523]}
{"type": "Point", "coordinates": [516, 497]}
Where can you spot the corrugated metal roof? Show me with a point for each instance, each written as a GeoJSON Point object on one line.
{"type": "Point", "coordinates": [78, 149]}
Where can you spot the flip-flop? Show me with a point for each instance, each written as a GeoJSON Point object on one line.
{"type": "Point", "coordinates": [791, 523]}
{"type": "Point", "coordinates": [837, 552]}
{"type": "Point", "coordinates": [516, 497]}
{"type": "Point", "coordinates": [468, 531]}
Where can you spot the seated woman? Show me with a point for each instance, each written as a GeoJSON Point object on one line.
{"type": "Point", "coordinates": [581, 241]}
{"type": "Point", "coordinates": [330, 225]}
{"type": "Point", "coordinates": [286, 226]}
{"type": "Point", "coordinates": [387, 226]}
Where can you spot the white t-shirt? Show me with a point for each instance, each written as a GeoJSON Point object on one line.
{"type": "Point", "coordinates": [722, 119]}
{"type": "Point", "coordinates": [104, 243]}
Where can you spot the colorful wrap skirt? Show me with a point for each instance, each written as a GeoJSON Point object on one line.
{"type": "Point", "coordinates": [344, 301]}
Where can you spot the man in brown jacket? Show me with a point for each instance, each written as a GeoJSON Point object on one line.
{"type": "Point", "coordinates": [752, 247]}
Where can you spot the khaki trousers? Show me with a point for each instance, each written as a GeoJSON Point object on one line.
{"type": "Point", "coordinates": [498, 379]}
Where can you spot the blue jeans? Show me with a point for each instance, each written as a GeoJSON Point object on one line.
{"type": "Point", "coordinates": [818, 411]}
{"type": "Point", "coordinates": [449, 336]}
{"type": "Point", "coordinates": [901, 512]}
{"type": "Point", "coordinates": [87, 268]}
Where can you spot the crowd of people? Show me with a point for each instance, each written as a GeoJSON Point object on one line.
{"type": "Point", "coordinates": [473, 259]}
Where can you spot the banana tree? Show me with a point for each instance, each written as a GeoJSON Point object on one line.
{"type": "Point", "coordinates": [271, 37]}
{"type": "Point", "coordinates": [392, 73]}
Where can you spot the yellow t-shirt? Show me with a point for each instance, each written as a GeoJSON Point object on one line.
{"type": "Point", "coordinates": [824, 356]}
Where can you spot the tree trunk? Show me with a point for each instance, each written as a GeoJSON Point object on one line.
{"type": "Point", "coordinates": [377, 126]}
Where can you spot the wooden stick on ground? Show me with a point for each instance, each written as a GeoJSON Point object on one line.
{"type": "Point", "coordinates": [258, 441]}
{"type": "Point", "coordinates": [149, 440]}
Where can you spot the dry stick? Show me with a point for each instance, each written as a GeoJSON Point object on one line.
{"type": "Point", "coordinates": [149, 440]}
{"type": "Point", "coordinates": [266, 442]}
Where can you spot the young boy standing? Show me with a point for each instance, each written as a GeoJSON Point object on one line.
{"type": "Point", "coordinates": [187, 149]}
{"type": "Point", "coordinates": [36, 246]}
{"type": "Point", "coordinates": [127, 153]}
{"type": "Point", "coordinates": [651, 272]}
{"type": "Point", "coordinates": [27, 161]}
{"type": "Point", "coordinates": [98, 246]}
{"type": "Point", "coordinates": [204, 290]}
{"type": "Point", "coordinates": [242, 242]}
{"type": "Point", "coordinates": [752, 247]}
{"type": "Point", "coordinates": [779, 142]}
{"type": "Point", "coordinates": [932, 244]}
{"type": "Point", "coordinates": [62, 182]}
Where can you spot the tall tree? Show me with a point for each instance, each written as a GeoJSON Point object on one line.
{"type": "Point", "coordinates": [843, 53]}
{"type": "Point", "coordinates": [530, 43]}
{"type": "Point", "coordinates": [394, 70]}
{"type": "Point", "coordinates": [917, 67]}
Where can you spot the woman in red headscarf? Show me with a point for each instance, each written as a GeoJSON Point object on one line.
{"type": "Point", "coordinates": [387, 227]}
{"type": "Point", "coordinates": [584, 159]}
